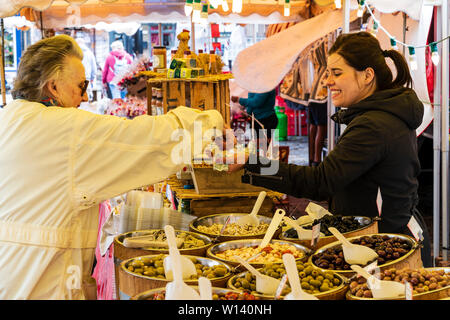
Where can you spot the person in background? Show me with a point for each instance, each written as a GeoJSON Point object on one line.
{"type": "Point", "coordinates": [116, 64]}
{"type": "Point", "coordinates": [89, 63]}
{"type": "Point", "coordinates": [376, 153]}
{"type": "Point", "coordinates": [59, 162]}
{"type": "Point", "coordinates": [317, 116]}
{"type": "Point", "coordinates": [262, 106]}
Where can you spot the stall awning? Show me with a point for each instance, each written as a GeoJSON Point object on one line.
{"type": "Point", "coordinates": [61, 13]}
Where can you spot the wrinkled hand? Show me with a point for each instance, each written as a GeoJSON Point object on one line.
{"type": "Point", "coordinates": [228, 140]}
{"type": "Point", "coordinates": [238, 163]}
{"type": "Point", "coordinates": [235, 161]}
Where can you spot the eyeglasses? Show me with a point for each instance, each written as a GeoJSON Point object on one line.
{"type": "Point", "coordinates": [84, 86]}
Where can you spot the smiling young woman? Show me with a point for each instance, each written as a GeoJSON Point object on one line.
{"type": "Point", "coordinates": [376, 151]}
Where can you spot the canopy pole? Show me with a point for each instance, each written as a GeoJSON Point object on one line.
{"type": "Point", "coordinates": [346, 16]}
{"type": "Point", "coordinates": [437, 143]}
{"type": "Point", "coordinates": [445, 130]}
{"type": "Point", "coordinates": [192, 35]}
{"type": "Point", "coordinates": [2, 63]}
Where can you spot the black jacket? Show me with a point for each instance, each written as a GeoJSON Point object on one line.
{"type": "Point", "coordinates": [378, 149]}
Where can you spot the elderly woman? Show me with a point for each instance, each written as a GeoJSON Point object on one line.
{"type": "Point", "coordinates": [376, 151]}
{"type": "Point", "coordinates": [57, 163]}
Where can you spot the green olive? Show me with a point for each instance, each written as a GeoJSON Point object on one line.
{"type": "Point", "coordinates": [160, 270]}
{"type": "Point", "coordinates": [136, 264]}
{"type": "Point", "coordinates": [150, 272]}
{"type": "Point", "coordinates": [139, 270]}
{"type": "Point", "coordinates": [305, 286]}
{"type": "Point", "coordinates": [275, 275]}
{"type": "Point", "coordinates": [245, 284]}
{"type": "Point", "coordinates": [308, 270]}
{"type": "Point", "coordinates": [324, 287]}
{"type": "Point", "coordinates": [158, 263]}
{"type": "Point", "coordinates": [220, 272]}
{"type": "Point", "coordinates": [280, 270]}
{"type": "Point", "coordinates": [329, 276]}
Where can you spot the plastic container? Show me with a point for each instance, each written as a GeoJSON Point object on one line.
{"type": "Point", "coordinates": [159, 58]}
{"type": "Point", "coordinates": [281, 133]}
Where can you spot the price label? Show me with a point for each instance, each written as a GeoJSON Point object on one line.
{"type": "Point", "coordinates": [281, 287]}
{"type": "Point", "coordinates": [315, 234]}
{"type": "Point", "coordinates": [415, 229]}
{"type": "Point", "coordinates": [379, 202]}
{"type": "Point", "coordinates": [408, 291]}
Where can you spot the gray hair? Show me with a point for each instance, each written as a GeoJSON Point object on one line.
{"type": "Point", "coordinates": [42, 62]}
{"type": "Point", "coordinates": [117, 45]}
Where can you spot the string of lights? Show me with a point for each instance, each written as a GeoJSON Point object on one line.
{"type": "Point", "coordinates": [199, 8]}
{"type": "Point", "coordinates": [411, 48]}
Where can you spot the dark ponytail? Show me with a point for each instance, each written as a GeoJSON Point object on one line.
{"type": "Point", "coordinates": [403, 74]}
{"type": "Point", "coordinates": [362, 50]}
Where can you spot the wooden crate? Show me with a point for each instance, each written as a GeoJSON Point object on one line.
{"type": "Point", "coordinates": [205, 93]}
{"type": "Point", "coordinates": [206, 204]}
{"type": "Point", "coordinates": [209, 181]}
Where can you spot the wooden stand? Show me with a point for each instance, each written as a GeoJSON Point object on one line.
{"type": "Point", "coordinates": [204, 93]}
{"type": "Point", "coordinates": [212, 203]}
{"type": "Point", "coordinates": [209, 181]}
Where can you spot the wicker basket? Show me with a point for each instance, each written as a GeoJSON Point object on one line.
{"type": "Point", "coordinates": [411, 260]}
{"type": "Point", "coordinates": [122, 253]}
{"type": "Point", "coordinates": [439, 294]}
{"type": "Point", "coordinates": [334, 294]}
{"type": "Point", "coordinates": [131, 284]}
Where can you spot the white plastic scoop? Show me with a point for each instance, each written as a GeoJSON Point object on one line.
{"type": "Point", "coordinates": [273, 226]}
{"type": "Point", "coordinates": [177, 289]}
{"type": "Point", "coordinates": [297, 292]}
{"type": "Point", "coordinates": [303, 234]}
{"type": "Point", "coordinates": [381, 289]}
{"type": "Point", "coordinates": [354, 253]}
{"type": "Point", "coordinates": [251, 219]}
{"type": "Point", "coordinates": [205, 288]}
{"type": "Point", "coordinates": [264, 284]}
{"type": "Point", "coordinates": [187, 266]}
{"type": "Point", "coordinates": [315, 212]}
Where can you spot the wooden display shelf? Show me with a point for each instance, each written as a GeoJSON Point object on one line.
{"type": "Point", "coordinates": [213, 203]}
{"type": "Point", "coordinates": [203, 93]}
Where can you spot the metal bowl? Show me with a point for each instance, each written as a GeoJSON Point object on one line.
{"type": "Point", "coordinates": [209, 262]}
{"type": "Point", "coordinates": [220, 219]}
{"type": "Point", "coordinates": [348, 273]}
{"type": "Point", "coordinates": [147, 295]}
{"type": "Point", "coordinates": [135, 252]}
{"type": "Point", "coordinates": [364, 222]}
{"type": "Point", "coordinates": [337, 293]}
{"type": "Point", "coordinates": [235, 244]}
{"type": "Point", "coordinates": [437, 294]}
